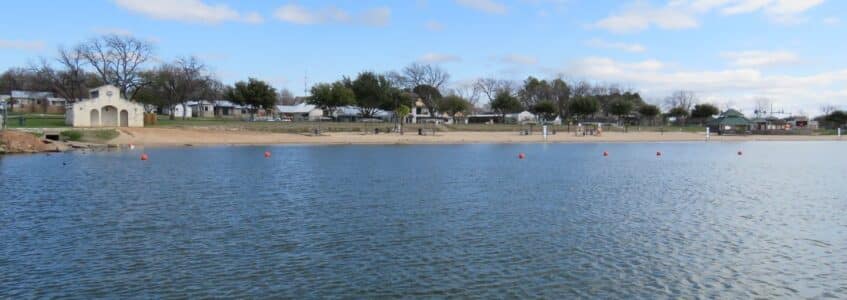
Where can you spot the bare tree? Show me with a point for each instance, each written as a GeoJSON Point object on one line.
{"type": "Point", "coordinates": [69, 82]}
{"type": "Point", "coordinates": [178, 82]}
{"type": "Point", "coordinates": [286, 97]}
{"type": "Point", "coordinates": [469, 92]}
{"type": "Point", "coordinates": [490, 87]}
{"type": "Point", "coordinates": [580, 88]}
{"type": "Point", "coordinates": [419, 74]}
{"type": "Point", "coordinates": [118, 60]}
{"type": "Point", "coordinates": [827, 109]}
{"type": "Point", "coordinates": [681, 99]}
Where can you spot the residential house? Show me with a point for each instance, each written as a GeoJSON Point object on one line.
{"type": "Point", "coordinates": [180, 110]}
{"type": "Point", "coordinates": [524, 117]}
{"type": "Point", "coordinates": [299, 112]}
{"type": "Point", "coordinates": [216, 109]}
{"type": "Point", "coordinates": [202, 109]}
{"type": "Point", "coordinates": [36, 102]}
{"type": "Point", "coordinates": [353, 114]}
{"type": "Point", "coordinates": [484, 118]}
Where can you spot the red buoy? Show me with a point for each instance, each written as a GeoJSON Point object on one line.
{"type": "Point", "coordinates": [144, 156]}
{"type": "Point", "coordinates": [267, 154]}
{"type": "Point", "coordinates": [605, 153]}
{"type": "Point", "coordinates": [521, 155]}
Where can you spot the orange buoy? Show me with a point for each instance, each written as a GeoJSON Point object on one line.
{"type": "Point", "coordinates": [605, 153]}
{"type": "Point", "coordinates": [267, 154]}
{"type": "Point", "coordinates": [144, 156]}
{"type": "Point", "coordinates": [521, 155]}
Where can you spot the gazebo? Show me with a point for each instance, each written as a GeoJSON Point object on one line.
{"type": "Point", "coordinates": [730, 122]}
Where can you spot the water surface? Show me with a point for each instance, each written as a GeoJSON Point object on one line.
{"type": "Point", "coordinates": [429, 221]}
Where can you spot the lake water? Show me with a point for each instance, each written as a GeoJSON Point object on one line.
{"type": "Point", "coordinates": [429, 221]}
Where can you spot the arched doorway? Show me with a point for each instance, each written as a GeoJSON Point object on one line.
{"type": "Point", "coordinates": [124, 118]}
{"type": "Point", "coordinates": [95, 118]}
{"type": "Point", "coordinates": [109, 115]}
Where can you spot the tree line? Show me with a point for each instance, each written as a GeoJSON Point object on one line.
{"type": "Point", "coordinates": [130, 64]}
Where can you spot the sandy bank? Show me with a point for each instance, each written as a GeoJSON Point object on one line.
{"type": "Point", "coordinates": [180, 136]}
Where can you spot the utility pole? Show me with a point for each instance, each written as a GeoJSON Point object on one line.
{"type": "Point", "coordinates": [305, 83]}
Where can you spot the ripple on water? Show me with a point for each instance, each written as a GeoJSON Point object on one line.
{"type": "Point", "coordinates": [428, 221]}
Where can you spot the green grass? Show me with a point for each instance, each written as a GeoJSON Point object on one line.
{"type": "Point", "coordinates": [36, 121]}
{"type": "Point", "coordinates": [71, 135]}
{"type": "Point", "coordinates": [91, 136]}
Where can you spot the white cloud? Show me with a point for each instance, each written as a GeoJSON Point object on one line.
{"type": "Point", "coordinates": [642, 17]}
{"type": "Point", "coordinates": [376, 17]}
{"type": "Point", "coordinates": [518, 59]}
{"type": "Point", "coordinates": [685, 14]}
{"type": "Point", "coordinates": [22, 45]}
{"type": "Point", "coordinates": [832, 21]}
{"type": "Point", "coordinates": [193, 11]}
{"type": "Point", "coordinates": [487, 6]}
{"type": "Point", "coordinates": [755, 58]}
{"type": "Point", "coordinates": [739, 85]}
{"type": "Point", "coordinates": [293, 13]}
{"type": "Point", "coordinates": [434, 26]}
{"type": "Point", "coordinates": [438, 58]}
{"type": "Point", "coordinates": [600, 43]}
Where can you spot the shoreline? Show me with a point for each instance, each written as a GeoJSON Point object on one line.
{"type": "Point", "coordinates": [190, 137]}
{"type": "Point", "coordinates": [23, 142]}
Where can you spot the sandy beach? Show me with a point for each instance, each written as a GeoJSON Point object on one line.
{"type": "Point", "coordinates": [192, 136]}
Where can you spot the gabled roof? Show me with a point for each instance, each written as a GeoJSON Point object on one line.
{"type": "Point", "coordinates": [354, 111]}
{"type": "Point", "coordinates": [730, 118]}
{"type": "Point", "coordinates": [226, 103]}
{"type": "Point", "coordinates": [732, 113]}
{"type": "Point", "coordinates": [301, 108]}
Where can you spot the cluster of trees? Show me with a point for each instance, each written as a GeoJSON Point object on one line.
{"type": "Point", "coordinates": [684, 107]}
{"type": "Point", "coordinates": [558, 98]}
{"type": "Point", "coordinates": [393, 91]}
{"type": "Point", "coordinates": [833, 118]}
{"type": "Point", "coordinates": [127, 63]}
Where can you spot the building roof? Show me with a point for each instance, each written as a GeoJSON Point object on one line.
{"type": "Point", "coordinates": [730, 118]}
{"type": "Point", "coordinates": [226, 103]}
{"type": "Point", "coordinates": [301, 108]}
{"type": "Point", "coordinates": [31, 94]}
{"type": "Point", "coordinates": [354, 111]}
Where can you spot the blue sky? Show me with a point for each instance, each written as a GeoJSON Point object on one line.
{"type": "Point", "coordinates": [730, 52]}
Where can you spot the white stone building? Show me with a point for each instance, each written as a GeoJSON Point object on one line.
{"type": "Point", "coordinates": [105, 108]}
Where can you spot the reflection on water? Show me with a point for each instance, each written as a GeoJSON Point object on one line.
{"type": "Point", "coordinates": [428, 221]}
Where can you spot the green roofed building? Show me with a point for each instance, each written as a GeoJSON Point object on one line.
{"type": "Point", "coordinates": [730, 122]}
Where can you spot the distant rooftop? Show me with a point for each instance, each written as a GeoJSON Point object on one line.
{"type": "Point", "coordinates": [31, 94]}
